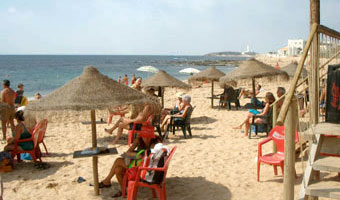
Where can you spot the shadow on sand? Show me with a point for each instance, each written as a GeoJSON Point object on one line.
{"type": "Point", "coordinates": [181, 188]}
{"type": "Point", "coordinates": [26, 171]}
{"type": "Point", "coordinates": [202, 120]}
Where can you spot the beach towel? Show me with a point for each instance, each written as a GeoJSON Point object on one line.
{"type": "Point", "coordinates": [253, 111]}
{"type": "Point", "coordinates": [157, 160]}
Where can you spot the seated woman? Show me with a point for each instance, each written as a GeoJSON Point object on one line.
{"type": "Point", "coordinates": [144, 141]}
{"type": "Point", "coordinates": [126, 123]}
{"type": "Point", "coordinates": [20, 133]}
{"type": "Point", "coordinates": [269, 100]}
{"type": "Point", "coordinates": [181, 115]}
{"type": "Point", "coordinates": [176, 109]}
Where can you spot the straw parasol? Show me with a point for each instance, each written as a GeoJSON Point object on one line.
{"type": "Point", "coordinates": [211, 74]}
{"type": "Point", "coordinates": [291, 69]}
{"type": "Point", "coordinates": [163, 79]}
{"type": "Point", "coordinates": [89, 91]}
{"type": "Point", "coordinates": [251, 68]}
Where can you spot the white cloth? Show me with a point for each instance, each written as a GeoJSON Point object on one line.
{"type": "Point", "coordinates": [158, 147]}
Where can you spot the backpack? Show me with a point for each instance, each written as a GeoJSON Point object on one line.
{"type": "Point", "coordinates": [157, 160]}
{"type": "Point", "coordinates": [6, 162]}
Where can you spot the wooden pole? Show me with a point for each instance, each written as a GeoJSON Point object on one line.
{"type": "Point", "coordinates": [289, 145]}
{"type": "Point", "coordinates": [274, 123]}
{"type": "Point", "coordinates": [163, 96]}
{"type": "Point", "coordinates": [254, 94]}
{"type": "Point", "coordinates": [212, 93]}
{"type": "Point", "coordinates": [94, 158]}
{"type": "Point", "coordinates": [314, 72]}
{"type": "Point", "coordinates": [290, 93]}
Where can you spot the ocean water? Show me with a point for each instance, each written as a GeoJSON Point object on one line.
{"type": "Point", "coordinates": [45, 73]}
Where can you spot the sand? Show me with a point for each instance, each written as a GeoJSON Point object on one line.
{"type": "Point", "coordinates": [216, 163]}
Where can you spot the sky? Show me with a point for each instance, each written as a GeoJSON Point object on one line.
{"type": "Point", "coordinates": [155, 27]}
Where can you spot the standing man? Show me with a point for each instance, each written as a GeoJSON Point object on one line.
{"type": "Point", "coordinates": [7, 96]}
{"type": "Point", "coordinates": [133, 79]}
{"type": "Point", "coordinates": [126, 80]}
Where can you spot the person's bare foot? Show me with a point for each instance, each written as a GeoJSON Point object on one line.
{"type": "Point", "coordinates": [108, 131]}
{"type": "Point", "coordinates": [237, 127]}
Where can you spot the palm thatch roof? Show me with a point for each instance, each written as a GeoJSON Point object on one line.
{"type": "Point", "coordinates": [251, 68]}
{"type": "Point", "coordinates": [163, 79]}
{"type": "Point", "coordinates": [291, 69]}
{"type": "Point", "coordinates": [89, 91]}
{"type": "Point", "coordinates": [209, 74]}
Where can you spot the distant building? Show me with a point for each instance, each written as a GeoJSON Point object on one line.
{"type": "Point", "coordinates": [248, 52]}
{"type": "Point", "coordinates": [296, 47]}
{"type": "Point", "coordinates": [283, 51]}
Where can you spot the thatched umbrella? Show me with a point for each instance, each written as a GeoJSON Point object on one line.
{"type": "Point", "coordinates": [162, 80]}
{"type": "Point", "coordinates": [291, 69]}
{"type": "Point", "coordinates": [89, 91]}
{"type": "Point", "coordinates": [252, 68]}
{"type": "Point", "coordinates": [211, 74]}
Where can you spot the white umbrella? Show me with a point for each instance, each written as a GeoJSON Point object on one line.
{"type": "Point", "coordinates": [189, 71]}
{"type": "Point", "coordinates": [148, 69]}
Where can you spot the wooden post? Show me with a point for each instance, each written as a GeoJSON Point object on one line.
{"type": "Point", "coordinates": [94, 158]}
{"type": "Point", "coordinates": [254, 93]}
{"type": "Point", "coordinates": [163, 96]}
{"type": "Point", "coordinates": [212, 93]}
{"type": "Point", "coordinates": [289, 145]}
{"type": "Point", "coordinates": [274, 123]}
{"type": "Point", "coordinates": [314, 72]}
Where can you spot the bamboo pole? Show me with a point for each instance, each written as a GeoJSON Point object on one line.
{"type": "Point", "coordinates": [254, 93]}
{"type": "Point", "coordinates": [162, 90]}
{"type": "Point", "coordinates": [274, 124]}
{"type": "Point", "coordinates": [290, 93]}
{"type": "Point", "coordinates": [289, 145]}
{"type": "Point", "coordinates": [314, 72]}
{"type": "Point", "coordinates": [212, 93]}
{"type": "Point", "coordinates": [94, 158]}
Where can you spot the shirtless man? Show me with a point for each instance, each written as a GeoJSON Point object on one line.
{"type": "Point", "coordinates": [7, 96]}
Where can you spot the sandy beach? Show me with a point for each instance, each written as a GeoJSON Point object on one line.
{"type": "Point", "coordinates": [216, 163]}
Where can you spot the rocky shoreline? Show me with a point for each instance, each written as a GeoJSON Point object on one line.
{"type": "Point", "coordinates": [208, 62]}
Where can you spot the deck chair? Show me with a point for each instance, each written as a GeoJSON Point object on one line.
{"type": "Point", "coordinates": [185, 124]}
{"type": "Point", "coordinates": [42, 136]}
{"type": "Point", "coordinates": [156, 122]}
{"type": "Point", "coordinates": [159, 188]}
{"type": "Point", "coordinates": [266, 126]}
{"type": "Point", "coordinates": [35, 153]}
{"type": "Point", "coordinates": [275, 159]}
{"type": "Point", "coordinates": [230, 95]}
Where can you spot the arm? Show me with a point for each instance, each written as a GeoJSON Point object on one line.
{"type": "Point", "coordinates": [130, 151]}
{"type": "Point", "coordinates": [265, 110]}
{"type": "Point", "coordinates": [143, 116]}
{"type": "Point", "coordinates": [183, 114]}
{"type": "Point", "coordinates": [19, 129]}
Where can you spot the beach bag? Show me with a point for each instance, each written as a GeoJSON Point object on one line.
{"type": "Point", "coordinates": [157, 160]}
{"type": "Point", "coordinates": [333, 94]}
{"type": "Point", "coordinates": [6, 162]}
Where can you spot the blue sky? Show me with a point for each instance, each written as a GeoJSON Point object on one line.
{"type": "Point", "coordinates": [158, 27]}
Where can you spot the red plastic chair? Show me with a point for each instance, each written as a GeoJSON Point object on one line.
{"type": "Point", "coordinates": [160, 188]}
{"type": "Point", "coordinates": [35, 153]}
{"type": "Point", "coordinates": [275, 159]}
{"type": "Point", "coordinates": [42, 134]}
{"type": "Point", "coordinates": [146, 127]}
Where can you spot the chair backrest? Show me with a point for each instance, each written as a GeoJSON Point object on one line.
{"type": "Point", "coordinates": [39, 132]}
{"type": "Point", "coordinates": [166, 165]}
{"type": "Point", "coordinates": [277, 134]}
{"type": "Point", "coordinates": [188, 115]}
{"type": "Point", "coordinates": [269, 115]}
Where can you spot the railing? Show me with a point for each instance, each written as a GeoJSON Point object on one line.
{"type": "Point", "coordinates": [329, 43]}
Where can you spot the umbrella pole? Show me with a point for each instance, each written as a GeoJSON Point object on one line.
{"type": "Point", "coordinates": [94, 158]}
{"type": "Point", "coordinates": [212, 93]}
{"type": "Point", "coordinates": [254, 94]}
{"type": "Point", "coordinates": [163, 96]}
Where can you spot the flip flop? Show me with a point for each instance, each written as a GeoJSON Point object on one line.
{"type": "Point", "coordinates": [118, 194]}
{"type": "Point", "coordinates": [103, 185]}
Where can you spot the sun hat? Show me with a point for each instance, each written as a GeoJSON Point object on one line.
{"type": "Point", "coordinates": [179, 94]}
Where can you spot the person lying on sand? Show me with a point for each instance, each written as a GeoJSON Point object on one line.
{"type": "Point", "coordinates": [269, 100]}
{"type": "Point", "coordinates": [181, 115]}
{"type": "Point", "coordinates": [127, 123]}
{"type": "Point", "coordinates": [20, 133]}
{"type": "Point", "coordinates": [249, 93]}
{"type": "Point", "coordinates": [144, 143]}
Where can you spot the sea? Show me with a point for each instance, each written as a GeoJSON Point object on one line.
{"type": "Point", "coordinates": [45, 73]}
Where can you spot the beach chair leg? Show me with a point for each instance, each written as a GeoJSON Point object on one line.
{"type": "Point", "coordinates": [189, 130]}
{"type": "Point", "coordinates": [125, 181]}
{"type": "Point", "coordinates": [159, 130]}
{"type": "Point", "coordinates": [163, 191]}
{"type": "Point", "coordinates": [281, 165]}
{"type": "Point", "coordinates": [258, 170]}
{"type": "Point", "coordinates": [184, 129]}
{"type": "Point", "coordinates": [249, 135]}
{"type": "Point", "coordinates": [173, 129]}
{"type": "Point", "coordinates": [45, 148]}
{"type": "Point", "coordinates": [154, 193]}
{"type": "Point", "coordinates": [275, 170]}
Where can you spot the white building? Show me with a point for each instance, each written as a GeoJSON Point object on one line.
{"type": "Point", "coordinates": [296, 47]}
